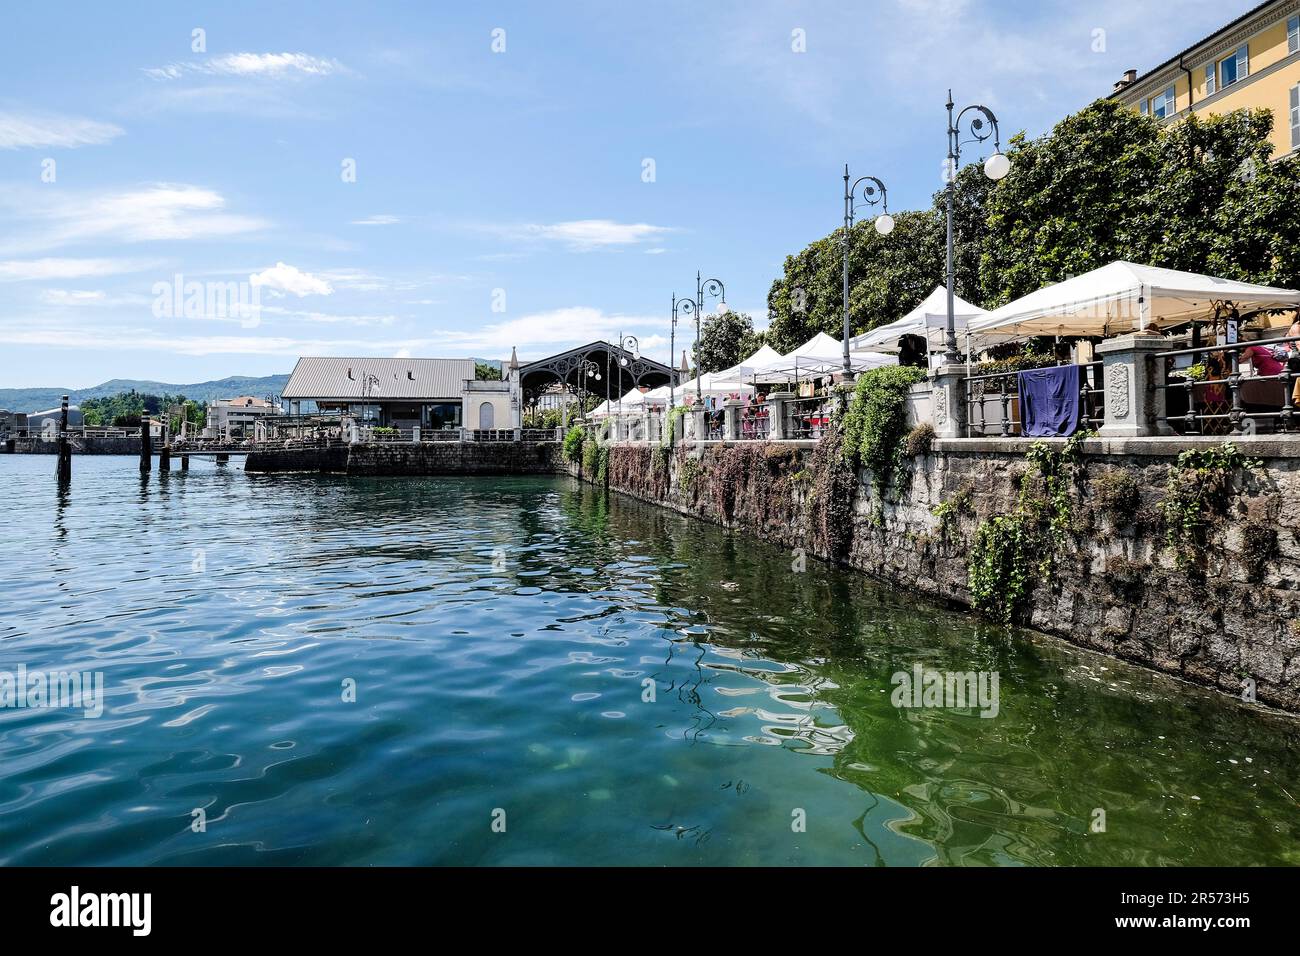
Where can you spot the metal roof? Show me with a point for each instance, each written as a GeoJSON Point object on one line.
{"type": "Point", "coordinates": [394, 379]}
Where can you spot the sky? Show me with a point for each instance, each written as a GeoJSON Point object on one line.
{"type": "Point", "coordinates": [449, 179]}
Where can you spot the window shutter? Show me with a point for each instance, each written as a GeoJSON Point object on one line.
{"type": "Point", "coordinates": [1243, 62]}
{"type": "Point", "coordinates": [1209, 79]}
{"type": "Point", "coordinates": [1295, 116]}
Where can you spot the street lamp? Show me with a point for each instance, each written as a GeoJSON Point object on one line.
{"type": "Point", "coordinates": [695, 307]}
{"type": "Point", "coordinates": [626, 343]}
{"type": "Point", "coordinates": [982, 127]}
{"type": "Point", "coordinates": [884, 225]}
{"type": "Point", "coordinates": [588, 369]}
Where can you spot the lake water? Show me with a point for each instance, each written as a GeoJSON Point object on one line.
{"type": "Point", "coordinates": [499, 634]}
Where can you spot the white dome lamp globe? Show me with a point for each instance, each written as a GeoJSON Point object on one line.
{"type": "Point", "coordinates": [884, 224]}
{"type": "Point", "coordinates": [723, 308]}
{"type": "Point", "coordinates": [997, 166]}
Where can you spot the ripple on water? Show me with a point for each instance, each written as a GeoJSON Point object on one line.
{"type": "Point", "coordinates": [364, 671]}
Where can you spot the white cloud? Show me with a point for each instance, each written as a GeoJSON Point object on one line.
{"type": "Point", "coordinates": [18, 270]}
{"type": "Point", "coordinates": [542, 333]}
{"type": "Point", "coordinates": [73, 296]}
{"type": "Point", "coordinates": [376, 221]}
{"type": "Point", "coordinates": [286, 278]}
{"type": "Point", "coordinates": [160, 212]}
{"type": "Point", "coordinates": [29, 130]}
{"type": "Point", "coordinates": [535, 335]}
{"type": "Point", "coordinates": [250, 64]}
{"type": "Point", "coordinates": [585, 235]}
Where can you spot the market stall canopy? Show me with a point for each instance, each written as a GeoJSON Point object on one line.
{"type": "Point", "coordinates": [1126, 297]}
{"type": "Point", "coordinates": [714, 384]}
{"type": "Point", "coordinates": [751, 365]}
{"type": "Point", "coordinates": [821, 355]}
{"type": "Point", "coordinates": [929, 319]}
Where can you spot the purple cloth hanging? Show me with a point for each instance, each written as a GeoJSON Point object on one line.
{"type": "Point", "coordinates": [1049, 400]}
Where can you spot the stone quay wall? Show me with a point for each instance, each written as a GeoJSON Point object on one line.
{"type": "Point", "coordinates": [1230, 619]}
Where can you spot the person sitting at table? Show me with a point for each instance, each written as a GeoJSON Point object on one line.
{"type": "Point", "coordinates": [1262, 360]}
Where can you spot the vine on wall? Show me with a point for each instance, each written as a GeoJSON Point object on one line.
{"type": "Point", "coordinates": [1197, 493]}
{"type": "Point", "coordinates": [1012, 551]}
{"type": "Point", "coordinates": [876, 421]}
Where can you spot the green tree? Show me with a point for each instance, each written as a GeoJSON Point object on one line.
{"type": "Point", "coordinates": [888, 275]}
{"type": "Point", "coordinates": [487, 372]}
{"type": "Point", "coordinates": [724, 341]}
{"type": "Point", "coordinates": [1106, 183]}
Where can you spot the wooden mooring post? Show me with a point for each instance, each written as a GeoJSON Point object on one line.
{"type": "Point", "coordinates": [165, 452]}
{"type": "Point", "coordinates": [185, 462]}
{"type": "Point", "coordinates": [65, 448]}
{"type": "Point", "coordinates": [146, 446]}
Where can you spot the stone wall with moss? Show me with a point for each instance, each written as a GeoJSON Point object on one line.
{"type": "Point", "coordinates": [1188, 564]}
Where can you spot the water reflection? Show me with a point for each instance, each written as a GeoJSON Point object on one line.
{"type": "Point", "coordinates": [500, 633]}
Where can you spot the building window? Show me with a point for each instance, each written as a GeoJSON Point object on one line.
{"type": "Point", "coordinates": [1163, 105]}
{"type": "Point", "coordinates": [1143, 108]}
{"type": "Point", "coordinates": [1295, 117]}
{"type": "Point", "coordinates": [1235, 67]}
{"type": "Point", "coordinates": [1293, 35]}
{"type": "Point", "coordinates": [1209, 79]}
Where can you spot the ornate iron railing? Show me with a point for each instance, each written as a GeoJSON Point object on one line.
{"type": "Point", "coordinates": [1220, 399]}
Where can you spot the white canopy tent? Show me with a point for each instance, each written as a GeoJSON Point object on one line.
{"type": "Point", "coordinates": [820, 355]}
{"type": "Point", "coordinates": [1126, 297]}
{"type": "Point", "coordinates": [749, 366]}
{"type": "Point", "coordinates": [713, 384]}
{"type": "Point", "coordinates": [929, 319]}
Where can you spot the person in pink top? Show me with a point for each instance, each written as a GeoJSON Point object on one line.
{"type": "Point", "coordinates": [1262, 358]}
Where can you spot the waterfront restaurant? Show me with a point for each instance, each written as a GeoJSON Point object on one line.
{"type": "Point", "coordinates": [405, 393]}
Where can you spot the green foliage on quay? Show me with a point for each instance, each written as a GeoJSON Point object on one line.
{"type": "Point", "coordinates": [1012, 551]}
{"type": "Point", "coordinates": [1197, 492]}
{"type": "Point", "coordinates": [1106, 183]}
{"type": "Point", "coordinates": [876, 420]}
{"type": "Point", "coordinates": [574, 439]}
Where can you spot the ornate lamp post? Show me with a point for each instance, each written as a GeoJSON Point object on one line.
{"type": "Point", "coordinates": [695, 307]}
{"type": "Point", "coordinates": [626, 343]}
{"type": "Point", "coordinates": [884, 225]}
{"type": "Point", "coordinates": [587, 369]}
{"type": "Point", "coordinates": [982, 127]}
{"type": "Point", "coordinates": [672, 351]}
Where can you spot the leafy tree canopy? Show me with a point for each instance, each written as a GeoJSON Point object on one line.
{"type": "Point", "coordinates": [725, 340]}
{"type": "Point", "coordinates": [1201, 195]}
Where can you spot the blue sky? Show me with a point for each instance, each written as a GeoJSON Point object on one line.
{"type": "Point", "coordinates": [500, 198]}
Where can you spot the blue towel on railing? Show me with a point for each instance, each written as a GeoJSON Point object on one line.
{"type": "Point", "coordinates": [1049, 400]}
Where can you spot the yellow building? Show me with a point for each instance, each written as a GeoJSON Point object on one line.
{"type": "Point", "coordinates": [1254, 62]}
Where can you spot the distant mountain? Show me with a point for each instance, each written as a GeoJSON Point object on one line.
{"type": "Point", "coordinates": [39, 399]}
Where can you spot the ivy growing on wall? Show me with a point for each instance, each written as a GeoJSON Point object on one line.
{"type": "Point", "coordinates": [1196, 496]}
{"type": "Point", "coordinates": [876, 421]}
{"type": "Point", "coordinates": [1012, 551]}
{"type": "Point", "coordinates": [830, 498]}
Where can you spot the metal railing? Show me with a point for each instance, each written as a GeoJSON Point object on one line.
{"type": "Point", "coordinates": [1004, 390]}
{"type": "Point", "coordinates": [807, 417]}
{"type": "Point", "coordinates": [1224, 400]}
{"type": "Point", "coordinates": [755, 422]}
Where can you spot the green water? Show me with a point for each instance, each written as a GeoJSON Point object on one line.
{"type": "Point", "coordinates": [500, 634]}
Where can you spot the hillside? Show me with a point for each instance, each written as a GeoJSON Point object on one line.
{"type": "Point", "coordinates": [38, 399]}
